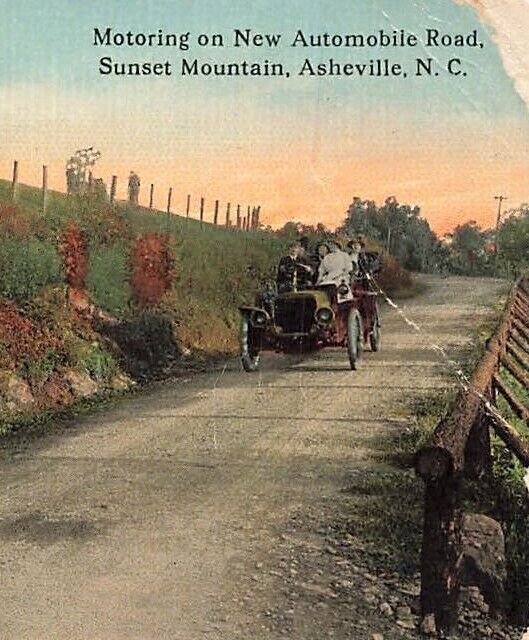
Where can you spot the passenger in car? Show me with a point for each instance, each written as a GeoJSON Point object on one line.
{"type": "Point", "coordinates": [335, 266]}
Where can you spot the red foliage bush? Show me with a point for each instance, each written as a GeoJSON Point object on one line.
{"type": "Point", "coordinates": [152, 268]}
{"type": "Point", "coordinates": [392, 276]}
{"type": "Point", "coordinates": [73, 247]}
{"type": "Point", "coordinates": [22, 338]}
{"type": "Point", "coordinates": [13, 222]}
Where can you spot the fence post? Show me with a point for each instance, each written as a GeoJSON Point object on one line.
{"type": "Point", "coordinates": [216, 214]}
{"type": "Point", "coordinates": [90, 182]}
{"type": "Point", "coordinates": [151, 196]}
{"type": "Point", "coordinates": [44, 187]}
{"type": "Point", "coordinates": [478, 456]}
{"type": "Point", "coordinates": [441, 551]}
{"type": "Point", "coordinates": [14, 182]}
{"type": "Point", "coordinates": [228, 221]}
{"type": "Point", "coordinates": [201, 211]}
{"type": "Point", "coordinates": [257, 214]}
{"type": "Point", "coordinates": [188, 206]}
{"type": "Point", "coordinates": [113, 187]}
{"type": "Point", "coordinates": [238, 216]}
{"type": "Point", "coordinates": [248, 219]}
{"type": "Point", "coordinates": [169, 196]}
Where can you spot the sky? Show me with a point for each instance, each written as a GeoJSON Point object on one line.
{"type": "Point", "coordinates": [300, 147]}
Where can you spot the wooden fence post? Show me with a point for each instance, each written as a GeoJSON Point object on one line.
{"type": "Point", "coordinates": [238, 216]}
{"type": "Point", "coordinates": [248, 219]}
{"type": "Point", "coordinates": [228, 221]}
{"type": "Point", "coordinates": [188, 206]}
{"type": "Point", "coordinates": [169, 197]}
{"type": "Point", "coordinates": [216, 214]}
{"type": "Point", "coordinates": [14, 182]}
{"type": "Point", "coordinates": [44, 187]}
{"type": "Point", "coordinates": [201, 211]}
{"type": "Point", "coordinates": [440, 554]}
{"type": "Point", "coordinates": [151, 196]}
{"type": "Point", "coordinates": [478, 455]}
{"type": "Point", "coordinates": [113, 188]}
{"type": "Point", "coordinates": [90, 182]}
{"type": "Point", "coordinates": [257, 214]}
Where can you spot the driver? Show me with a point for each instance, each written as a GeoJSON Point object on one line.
{"type": "Point", "coordinates": [335, 266]}
{"type": "Point", "coordinates": [287, 269]}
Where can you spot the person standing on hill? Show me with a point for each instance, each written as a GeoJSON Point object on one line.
{"type": "Point", "coordinates": [134, 188]}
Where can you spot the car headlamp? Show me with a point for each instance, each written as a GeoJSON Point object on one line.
{"type": "Point", "coordinates": [324, 315]}
{"type": "Point", "coordinates": [259, 319]}
{"type": "Point", "coordinates": [343, 289]}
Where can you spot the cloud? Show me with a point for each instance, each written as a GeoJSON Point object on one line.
{"type": "Point", "coordinates": [509, 23]}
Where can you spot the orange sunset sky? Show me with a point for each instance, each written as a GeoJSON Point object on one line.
{"type": "Point", "coordinates": [302, 147]}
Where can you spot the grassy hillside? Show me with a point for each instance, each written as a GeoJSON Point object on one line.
{"type": "Point", "coordinates": [216, 268]}
{"type": "Point", "coordinates": [53, 353]}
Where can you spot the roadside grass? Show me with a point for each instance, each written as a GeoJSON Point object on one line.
{"type": "Point", "coordinates": [387, 510]}
{"type": "Point", "coordinates": [385, 518]}
{"type": "Point", "coordinates": [503, 496]}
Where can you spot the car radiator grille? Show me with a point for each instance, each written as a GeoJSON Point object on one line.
{"type": "Point", "coordinates": [295, 316]}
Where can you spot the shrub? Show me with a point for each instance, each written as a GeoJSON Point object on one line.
{"type": "Point", "coordinates": [152, 268]}
{"type": "Point", "coordinates": [108, 282]}
{"type": "Point", "coordinates": [13, 222]}
{"type": "Point", "coordinates": [99, 363]}
{"type": "Point", "coordinates": [73, 247]}
{"type": "Point", "coordinates": [26, 267]}
{"type": "Point", "coordinates": [392, 276]}
{"type": "Point", "coordinates": [23, 339]}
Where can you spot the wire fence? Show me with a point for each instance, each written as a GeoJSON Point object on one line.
{"type": "Point", "coordinates": [229, 215]}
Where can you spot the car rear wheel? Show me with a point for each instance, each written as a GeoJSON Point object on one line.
{"type": "Point", "coordinates": [249, 354]}
{"type": "Point", "coordinates": [354, 337]}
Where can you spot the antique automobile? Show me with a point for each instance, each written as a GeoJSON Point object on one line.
{"type": "Point", "coordinates": [344, 315]}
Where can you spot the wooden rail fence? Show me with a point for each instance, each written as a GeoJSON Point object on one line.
{"type": "Point", "coordinates": [247, 223]}
{"type": "Point", "coordinates": [460, 448]}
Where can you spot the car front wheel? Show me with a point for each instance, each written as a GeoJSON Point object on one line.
{"type": "Point", "coordinates": [249, 354]}
{"type": "Point", "coordinates": [354, 337]}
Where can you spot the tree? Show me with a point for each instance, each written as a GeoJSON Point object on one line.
{"type": "Point", "coordinates": [398, 228]}
{"type": "Point", "coordinates": [467, 250]}
{"type": "Point", "coordinates": [513, 242]}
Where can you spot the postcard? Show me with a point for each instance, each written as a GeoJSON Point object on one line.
{"type": "Point", "coordinates": [264, 308]}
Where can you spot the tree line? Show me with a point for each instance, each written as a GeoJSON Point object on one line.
{"type": "Point", "coordinates": [399, 230]}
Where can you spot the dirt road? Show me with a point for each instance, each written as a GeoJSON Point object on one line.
{"type": "Point", "coordinates": [200, 510]}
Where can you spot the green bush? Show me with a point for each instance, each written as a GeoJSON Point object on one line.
{"type": "Point", "coordinates": [28, 266]}
{"type": "Point", "coordinates": [100, 364]}
{"type": "Point", "coordinates": [107, 279]}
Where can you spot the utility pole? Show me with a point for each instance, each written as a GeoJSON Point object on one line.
{"type": "Point", "coordinates": [500, 199]}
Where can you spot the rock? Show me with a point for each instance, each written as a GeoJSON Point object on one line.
{"type": "Point", "coordinates": [427, 626]}
{"type": "Point", "coordinates": [120, 382]}
{"type": "Point", "coordinates": [407, 623]}
{"type": "Point", "coordinates": [386, 610]}
{"type": "Point", "coordinates": [81, 383]}
{"type": "Point", "coordinates": [377, 636]}
{"type": "Point", "coordinates": [18, 392]}
{"type": "Point", "coordinates": [483, 558]}
{"type": "Point", "coordinates": [403, 612]}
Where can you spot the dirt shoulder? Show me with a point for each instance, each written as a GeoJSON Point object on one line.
{"type": "Point", "coordinates": [231, 505]}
